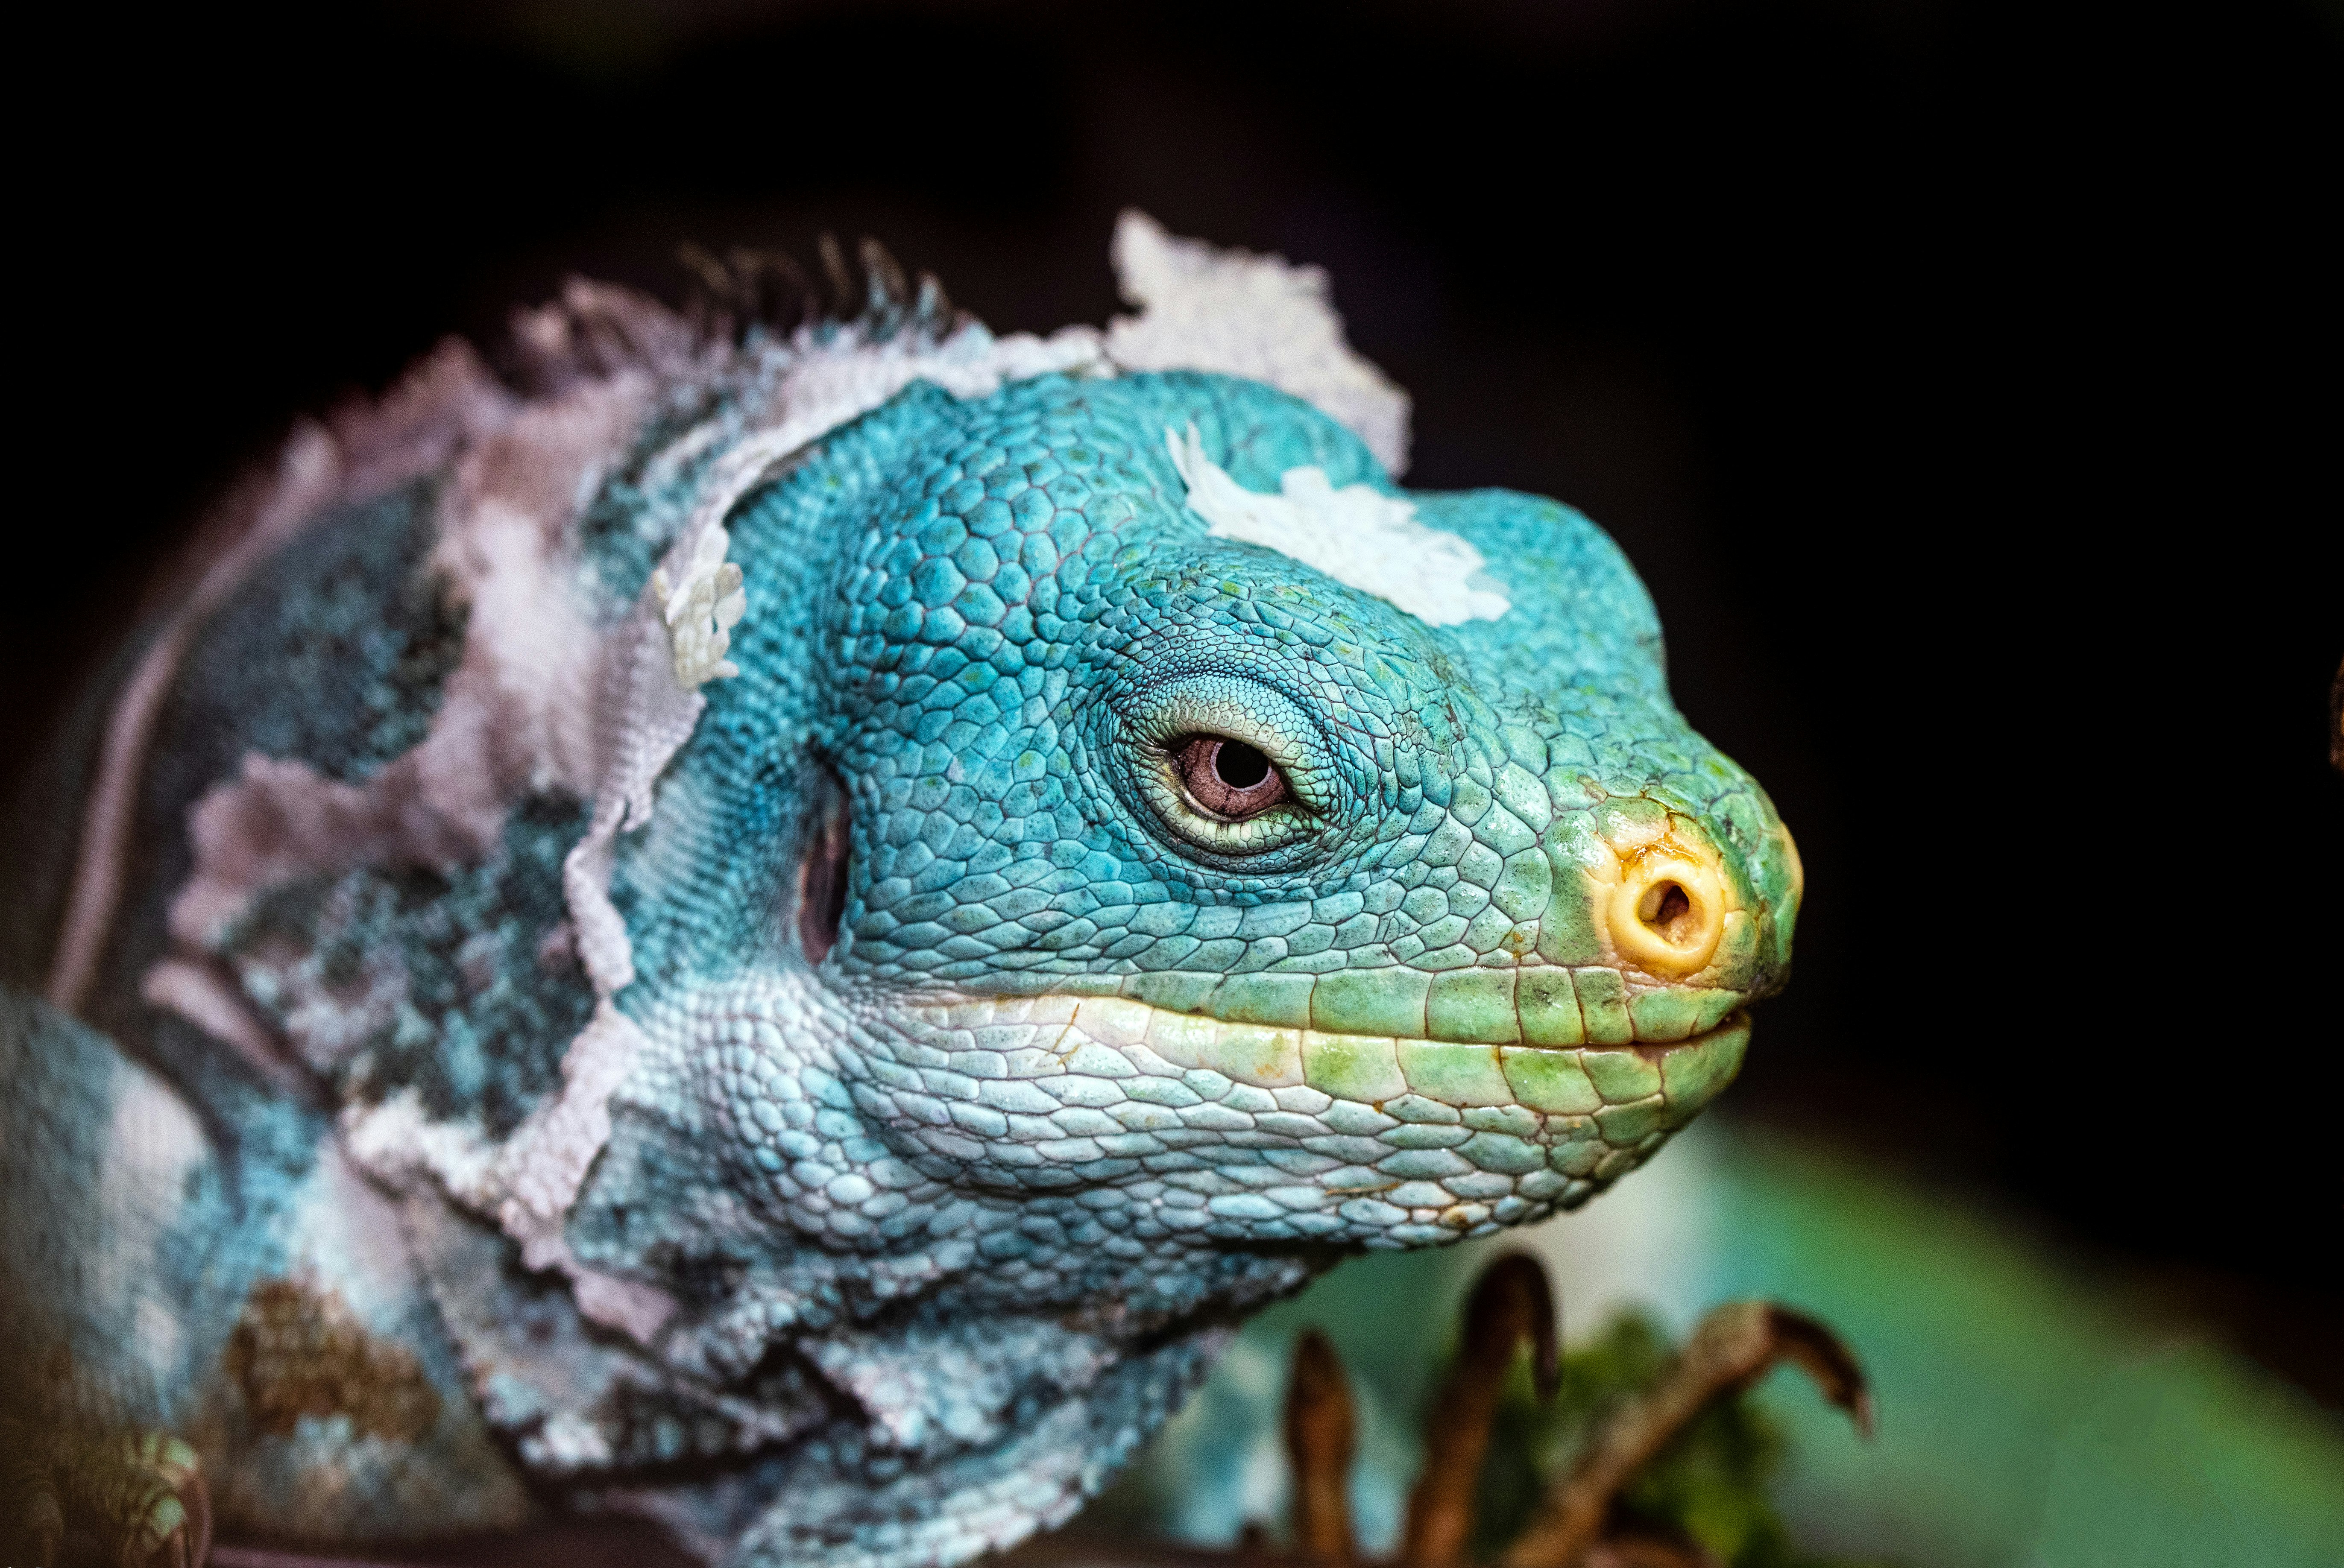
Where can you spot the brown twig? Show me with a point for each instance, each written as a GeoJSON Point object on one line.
{"type": "Point", "coordinates": [2336, 721]}
{"type": "Point", "coordinates": [1318, 1439]}
{"type": "Point", "coordinates": [1511, 1302]}
{"type": "Point", "coordinates": [1630, 1550]}
{"type": "Point", "coordinates": [1730, 1350]}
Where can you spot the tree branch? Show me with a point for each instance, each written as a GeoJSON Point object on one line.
{"type": "Point", "coordinates": [1511, 1302]}
{"type": "Point", "coordinates": [1731, 1349]}
{"type": "Point", "coordinates": [1319, 1442]}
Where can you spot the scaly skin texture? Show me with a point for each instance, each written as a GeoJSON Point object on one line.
{"type": "Point", "coordinates": [947, 1075]}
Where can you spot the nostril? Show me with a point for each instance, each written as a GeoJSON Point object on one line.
{"type": "Point", "coordinates": [1668, 908]}
{"type": "Point", "coordinates": [1668, 912]}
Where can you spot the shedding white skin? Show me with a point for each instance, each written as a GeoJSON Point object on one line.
{"type": "Point", "coordinates": [701, 611]}
{"type": "Point", "coordinates": [1259, 317]}
{"type": "Point", "coordinates": [1358, 536]}
{"type": "Point", "coordinates": [446, 401]}
{"type": "Point", "coordinates": [547, 698]}
{"type": "Point", "coordinates": [655, 662]}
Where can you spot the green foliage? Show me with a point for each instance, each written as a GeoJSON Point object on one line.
{"type": "Point", "coordinates": [1710, 1484]}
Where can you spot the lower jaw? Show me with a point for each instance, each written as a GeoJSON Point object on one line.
{"type": "Point", "coordinates": [1658, 1083]}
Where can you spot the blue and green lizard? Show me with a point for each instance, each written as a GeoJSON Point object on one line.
{"type": "Point", "coordinates": [784, 930]}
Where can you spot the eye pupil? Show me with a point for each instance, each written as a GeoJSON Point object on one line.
{"type": "Point", "coordinates": [1239, 766]}
{"type": "Point", "coordinates": [1229, 777]}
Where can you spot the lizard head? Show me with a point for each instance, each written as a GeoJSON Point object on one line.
{"type": "Point", "coordinates": [1073, 848]}
{"type": "Point", "coordinates": [1217, 827]}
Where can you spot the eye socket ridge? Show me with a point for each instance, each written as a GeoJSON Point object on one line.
{"type": "Point", "coordinates": [1227, 778]}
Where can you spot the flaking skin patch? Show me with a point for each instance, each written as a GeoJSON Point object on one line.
{"type": "Point", "coordinates": [1358, 536]}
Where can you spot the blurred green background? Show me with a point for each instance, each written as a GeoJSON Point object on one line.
{"type": "Point", "coordinates": [2032, 1414]}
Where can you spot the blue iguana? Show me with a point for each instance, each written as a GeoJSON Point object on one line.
{"type": "Point", "coordinates": [782, 927]}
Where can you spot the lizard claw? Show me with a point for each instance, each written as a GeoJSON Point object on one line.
{"type": "Point", "coordinates": [141, 1492]}
{"type": "Point", "coordinates": [159, 1508]}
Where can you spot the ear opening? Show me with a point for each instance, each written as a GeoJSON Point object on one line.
{"type": "Point", "coordinates": [822, 875]}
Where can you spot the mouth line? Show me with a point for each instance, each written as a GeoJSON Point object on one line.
{"type": "Point", "coordinates": [1119, 1037]}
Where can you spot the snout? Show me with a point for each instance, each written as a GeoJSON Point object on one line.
{"type": "Point", "coordinates": [1664, 899]}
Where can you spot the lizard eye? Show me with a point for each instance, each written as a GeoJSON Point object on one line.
{"type": "Point", "coordinates": [1228, 765]}
{"type": "Point", "coordinates": [1228, 778]}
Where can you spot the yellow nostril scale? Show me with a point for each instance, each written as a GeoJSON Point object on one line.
{"type": "Point", "coordinates": [1667, 911]}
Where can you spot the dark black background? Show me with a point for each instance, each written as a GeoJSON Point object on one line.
{"type": "Point", "coordinates": [1963, 379]}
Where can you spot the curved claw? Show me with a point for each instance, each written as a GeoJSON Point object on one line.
{"type": "Point", "coordinates": [142, 1492]}
{"type": "Point", "coordinates": [176, 1531]}
{"type": "Point", "coordinates": [151, 1519]}
{"type": "Point", "coordinates": [189, 1545]}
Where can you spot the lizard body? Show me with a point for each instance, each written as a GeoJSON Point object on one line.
{"type": "Point", "coordinates": [783, 934]}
